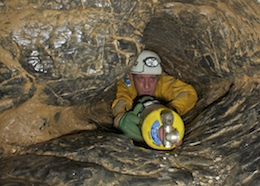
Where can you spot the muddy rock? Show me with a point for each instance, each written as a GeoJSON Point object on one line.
{"type": "Point", "coordinates": [60, 60]}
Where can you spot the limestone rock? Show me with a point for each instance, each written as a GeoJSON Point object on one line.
{"type": "Point", "coordinates": [60, 60]}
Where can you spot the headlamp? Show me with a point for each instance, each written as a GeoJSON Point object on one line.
{"type": "Point", "coordinates": [151, 62]}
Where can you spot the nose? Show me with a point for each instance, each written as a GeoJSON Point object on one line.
{"type": "Point", "coordinates": [146, 84]}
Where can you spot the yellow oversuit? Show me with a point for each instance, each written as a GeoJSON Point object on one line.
{"type": "Point", "coordinates": [174, 92]}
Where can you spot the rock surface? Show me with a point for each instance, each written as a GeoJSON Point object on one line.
{"type": "Point", "coordinates": [59, 62]}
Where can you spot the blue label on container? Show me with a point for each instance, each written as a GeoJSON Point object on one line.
{"type": "Point", "coordinates": [154, 132]}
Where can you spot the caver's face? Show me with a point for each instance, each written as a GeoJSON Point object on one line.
{"type": "Point", "coordinates": [145, 84]}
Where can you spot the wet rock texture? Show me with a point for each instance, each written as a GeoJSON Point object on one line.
{"type": "Point", "coordinates": [59, 61]}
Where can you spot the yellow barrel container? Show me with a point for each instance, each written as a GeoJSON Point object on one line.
{"type": "Point", "coordinates": [162, 127]}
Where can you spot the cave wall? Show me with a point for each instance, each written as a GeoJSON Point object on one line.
{"type": "Point", "coordinates": [72, 49]}
{"type": "Point", "coordinates": [57, 58]}
{"type": "Point", "coordinates": [60, 60]}
{"type": "Point", "coordinates": [208, 44]}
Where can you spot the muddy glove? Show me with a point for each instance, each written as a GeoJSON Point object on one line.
{"type": "Point", "coordinates": [130, 122]}
{"type": "Point", "coordinates": [129, 126]}
{"type": "Point", "coordinates": [139, 106]}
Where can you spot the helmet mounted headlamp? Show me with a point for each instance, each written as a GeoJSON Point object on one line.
{"type": "Point", "coordinates": [151, 62]}
{"type": "Point", "coordinates": [148, 62]}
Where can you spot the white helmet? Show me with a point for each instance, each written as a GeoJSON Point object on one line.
{"type": "Point", "coordinates": [148, 62]}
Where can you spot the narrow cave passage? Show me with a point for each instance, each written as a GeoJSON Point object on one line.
{"type": "Point", "coordinates": [58, 54]}
{"type": "Point", "coordinates": [188, 54]}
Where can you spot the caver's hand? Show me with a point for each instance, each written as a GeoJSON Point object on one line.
{"type": "Point", "coordinates": [140, 104]}
{"type": "Point", "coordinates": [129, 126]}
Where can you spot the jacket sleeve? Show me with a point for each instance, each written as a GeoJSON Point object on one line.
{"type": "Point", "coordinates": [124, 100]}
{"type": "Point", "coordinates": [178, 94]}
